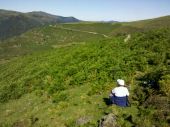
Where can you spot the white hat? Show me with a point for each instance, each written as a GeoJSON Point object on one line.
{"type": "Point", "coordinates": [120, 82]}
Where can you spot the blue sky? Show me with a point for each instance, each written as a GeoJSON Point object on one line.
{"type": "Point", "coordinates": [94, 10]}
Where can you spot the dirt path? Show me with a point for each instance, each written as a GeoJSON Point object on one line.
{"type": "Point", "coordinates": [90, 32]}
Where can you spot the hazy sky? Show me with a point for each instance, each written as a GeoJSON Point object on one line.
{"type": "Point", "coordinates": [119, 10]}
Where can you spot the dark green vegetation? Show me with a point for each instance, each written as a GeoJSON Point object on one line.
{"type": "Point", "coordinates": [48, 37]}
{"type": "Point", "coordinates": [66, 76]}
{"type": "Point", "coordinates": [14, 23]}
{"type": "Point", "coordinates": [51, 36]}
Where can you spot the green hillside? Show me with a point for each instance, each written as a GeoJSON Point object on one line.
{"type": "Point", "coordinates": [140, 26]}
{"type": "Point", "coordinates": [44, 38]}
{"type": "Point", "coordinates": [120, 28]}
{"type": "Point", "coordinates": [151, 23]}
{"type": "Point", "coordinates": [52, 36]}
{"type": "Point", "coordinates": [14, 23]}
{"type": "Point", "coordinates": [102, 28]}
{"type": "Point", "coordinates": [68, 83]}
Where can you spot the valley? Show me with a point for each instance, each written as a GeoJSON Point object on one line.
{"type": "Point", "coordinates": [60, 75]}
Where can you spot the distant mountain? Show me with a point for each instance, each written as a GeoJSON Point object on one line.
{"type": "Point", "coordinates": [14, 23]}
{"type": "Point", "coordinates": [49, 18]}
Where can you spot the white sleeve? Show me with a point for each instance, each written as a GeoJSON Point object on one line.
{"type": "Point", "coordinates": [113, 91]}
{"type": "Point", "coordinates": [127, 92]}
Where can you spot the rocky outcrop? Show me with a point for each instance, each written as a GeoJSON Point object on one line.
{"type": "Point", "coordinates": [108, 121]}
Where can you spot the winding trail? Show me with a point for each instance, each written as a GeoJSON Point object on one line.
{"type": "Point", "coordinates": [90, 32]}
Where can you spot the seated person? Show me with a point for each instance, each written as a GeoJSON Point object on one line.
{"type": "Point", "coordinates": [119, 95]}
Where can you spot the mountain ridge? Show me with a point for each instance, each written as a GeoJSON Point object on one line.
{"type": "Point", "coordinates": [13, 23]}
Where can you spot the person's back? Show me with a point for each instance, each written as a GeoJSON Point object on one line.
{"type": "Point", "coordinates": [120, 94]}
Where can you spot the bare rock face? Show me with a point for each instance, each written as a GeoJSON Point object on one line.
{"type": "Point", "coordinates": [108, 121]}
{"type": "Point", "coordinates": [83, 120]}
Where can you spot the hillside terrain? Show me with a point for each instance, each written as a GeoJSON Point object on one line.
{"type": "Point", "coordinates": [61, 75]}
{"type": "Point", "coordinates": [118, 28]}
{"type": "Point", "coordinates": [52, 36]}
{"type": "Point", "coordinates": [14, 23]}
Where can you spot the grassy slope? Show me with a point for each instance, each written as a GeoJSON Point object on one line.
{"type": "Point", "coordinates": [140, 26]}
{"type": "Point", "coordinates": [111, 29]}
{"type": "Point", "coordinates": [42, 38]}
{"type": "Point", "coordinates": [46, 67]}
{"type": "Point", "coordinates": [151, 23]}
{"type": "Point", "coordinates": [102, 28]}
{"type": "Point", "coordinates": [68, 86]}
{"type": "Point", "coordinates": [50, 37]}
